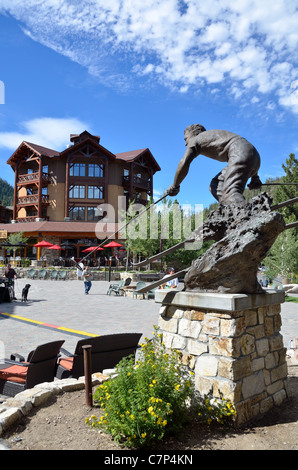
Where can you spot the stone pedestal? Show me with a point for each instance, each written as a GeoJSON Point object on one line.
{"type": "Point", "coordinates": [232, 343]}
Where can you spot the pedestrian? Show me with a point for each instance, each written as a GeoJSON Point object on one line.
{"type": "Point", "coordinates": [172, 283]}
{"type": "Point", "coordinates": [87, 276]}
{"type": "Point", "coordinates": [11, 275]}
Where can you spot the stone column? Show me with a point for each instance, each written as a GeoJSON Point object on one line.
{"type": "Point", "coordinates": [232, 343]}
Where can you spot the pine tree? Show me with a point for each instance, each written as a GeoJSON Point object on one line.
{"type": "Point", "coordinates": [6, 193]}
{"type": "Point", "coordinates": [282, 259]}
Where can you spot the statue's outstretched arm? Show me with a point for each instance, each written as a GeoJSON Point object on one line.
{"type": "Point", "coordinates": [182, 170]}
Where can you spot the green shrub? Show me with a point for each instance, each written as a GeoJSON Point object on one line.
{"type": "Point", "coordinates": [214, 410]}
{"type": "Point", "coordinates": [153, 397]}
{"type": "Point", "coordinates": [146, 399]}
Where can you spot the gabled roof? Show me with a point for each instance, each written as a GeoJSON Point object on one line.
{"type": "Point", "coordinates": [133, 155]}
{"type": "Point", "coordinates": [22, 151]}
{"type": "Point", "coordinates": [42, 151]}
{"type": "Point", "coordinates": [86, 134]}
{"type": "Point", "coordinates": [85, 137]}
{"type": "Point", "coordinates": [82, 143]}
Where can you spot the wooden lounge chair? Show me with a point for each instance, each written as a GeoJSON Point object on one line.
{"type": "Point", "coordinates": [107, 351]}
{"type": "Point", "coordinates": [139, 285]}
{"type": "Point", "coordinates": [41, 364]}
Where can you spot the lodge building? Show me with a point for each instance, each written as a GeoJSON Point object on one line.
{"type": "Point", "coordinates": [57, 194]}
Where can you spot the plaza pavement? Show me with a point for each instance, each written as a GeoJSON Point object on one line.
{"type": "Point", "coordinates": [63, 304]}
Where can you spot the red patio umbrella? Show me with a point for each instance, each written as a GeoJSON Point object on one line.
{"type": "Point", "coordinates": [43, 244]}
{"type": "Point", "coordinates": [92, 248]}
{"type": "Point", "coordinates": [55, 247]}
{"type": "Point", "coordinates": [112, 244]}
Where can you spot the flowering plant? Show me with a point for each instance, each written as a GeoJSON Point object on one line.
{"type": "Point", "coordinates": [148, 398]}
{"type": "Point", "coordinates": [215, 410]}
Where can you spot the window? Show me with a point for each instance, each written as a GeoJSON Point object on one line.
{"type": "Point", "coordinates": [95, 170]}
{"type": "Point", "coordinates": [77, 213]}
{"type": "Point", "coordinates": [95, 192]}
{"type": "Point", "coordinates": [45, 168]}
{"type": "Point", "coordinates": [77, 192]}
{"type": "Point", "coordinates": [92, 213]}
{"type": "Point", "coordinates": [77, 169]}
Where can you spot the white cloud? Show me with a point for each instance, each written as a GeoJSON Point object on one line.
{"type": "Point", "coordinates": [49, 132]}
{"type": "Point", "coordinates": [241, 45]}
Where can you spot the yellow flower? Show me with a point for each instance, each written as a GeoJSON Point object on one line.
{"type": "Point", "coordinates": [164, 423]}
{"type": "Point", "coordinates": [143, 435]}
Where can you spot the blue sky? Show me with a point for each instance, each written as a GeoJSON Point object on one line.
{"type": "Point", "coordinates": [138, 72]}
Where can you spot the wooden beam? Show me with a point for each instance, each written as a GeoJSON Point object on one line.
{"type": "Point", "coordinates": [15, 192]}
{"type": "Point", "coordinates": [66, 196]}
{"type": "Point", "coordinates": [39, 208]}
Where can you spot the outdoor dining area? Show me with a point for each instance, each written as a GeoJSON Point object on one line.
{"type": "Point", "coordinates": [46, 254]}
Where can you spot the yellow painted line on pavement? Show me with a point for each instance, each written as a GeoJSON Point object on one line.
{"type": "Point", "coordinates": [48, 325]}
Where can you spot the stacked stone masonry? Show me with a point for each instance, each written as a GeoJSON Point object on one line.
{"type": "Point", "coordinates": [238, 354]}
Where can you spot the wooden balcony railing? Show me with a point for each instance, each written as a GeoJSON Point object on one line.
{"type": "Point", "coordinates": [32, 199]}
{"type": "Point", "coordinates": [31, 218]}
{"type": "Point", "coordinates": [30, 178]}
{"type": "Point", "coordinates": [138, 182]}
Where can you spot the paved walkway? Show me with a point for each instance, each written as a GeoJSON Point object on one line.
{"type": "Point", "coordinates": [61, 310]}
{"type": "Point", "coordinates": [64, 305]}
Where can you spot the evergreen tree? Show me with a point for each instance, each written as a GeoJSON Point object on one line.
{"type": "Point", "coordinates": [6, 193]}
{"type": "Point", "coordinates": [282, 259]}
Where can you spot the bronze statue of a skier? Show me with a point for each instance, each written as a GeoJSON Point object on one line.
{"type": "Point", "coordinates": [243, 162]}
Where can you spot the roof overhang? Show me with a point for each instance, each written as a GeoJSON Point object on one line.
{"type": "Point", "coordinates": [68, 229]}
